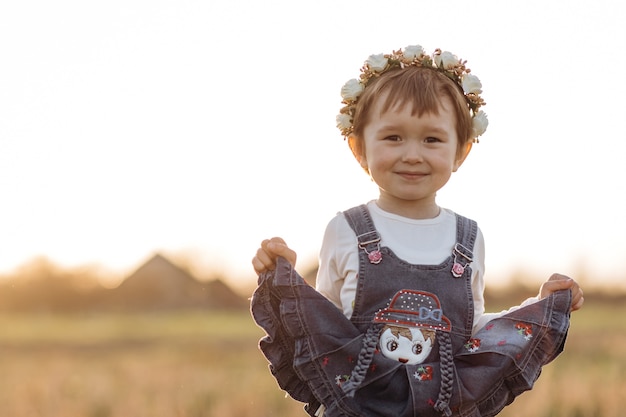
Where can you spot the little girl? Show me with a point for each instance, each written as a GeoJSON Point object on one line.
{"type": "Point", "coordinates": [402, 261]}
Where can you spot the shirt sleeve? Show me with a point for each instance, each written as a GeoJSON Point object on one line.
{"type": "Point", "coordinates": [478, 282]}
{"type": "Point", "coordinates": [338, 265]}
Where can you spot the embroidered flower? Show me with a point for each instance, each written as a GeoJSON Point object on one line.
{"type": "Point", "coordinates": [479, 124]}
{"type": "Point", "coordinates": [471, 84]}
{"type": "Point", "coordinates": [472, 345]}
{"type": "Point", "coordinates": [341, 379]}
{"type": "Point", "coordinates": [424, 373]}
{"type": "Point", "coordinates": [413, 51]}
{"type": "Point", "coordinates": [377, 63]}
{"type": "Point", "coordinates": [525, 330]}
{"type": "Point", "coordinates": [352, 90]}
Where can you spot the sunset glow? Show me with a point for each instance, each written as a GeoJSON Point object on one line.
{"type": "Point", "coordinates": [201, 128]}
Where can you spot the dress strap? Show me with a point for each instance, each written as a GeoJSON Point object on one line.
{"type": "Point", "coordinates": [463, 252]}
{"type": "Point", "coordinates": [466, 231]}
{"type": "Point", "coordinates": [361, 222]}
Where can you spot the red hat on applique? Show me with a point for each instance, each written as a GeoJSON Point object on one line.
{"type": "Point", "coordinates": [414, 309]}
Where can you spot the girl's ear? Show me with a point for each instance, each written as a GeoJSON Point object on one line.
{"type": "Point", "coordinates": [462, 154]}
{"type": "Point", "coordinates": [357, 150]}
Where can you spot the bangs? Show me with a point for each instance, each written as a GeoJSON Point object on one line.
{"type": "Point", "coordinates": [418, 92]}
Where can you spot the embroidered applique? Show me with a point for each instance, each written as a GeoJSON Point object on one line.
{"type": "Point", "coordinates": [424, 373]}
{"type": "Point", "coordinates": [410, 324]}
{"type": "Point", "coordinates": [472, 345]}
{"type": "Point", "coordinates": [525, 330]}
{"type": "Point", "coordinates": [341, 379]}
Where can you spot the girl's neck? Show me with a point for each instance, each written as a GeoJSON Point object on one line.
{"type": "Point", "coordinates": [413, 210]}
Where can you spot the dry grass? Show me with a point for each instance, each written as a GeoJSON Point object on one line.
{"type": "Point", "coordinates": [198, 364]}
{"type": "Point", "coordinates": [189, 364]}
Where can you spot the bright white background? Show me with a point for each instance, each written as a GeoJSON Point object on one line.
{"type": "Point", "coordinates": [202, 127]}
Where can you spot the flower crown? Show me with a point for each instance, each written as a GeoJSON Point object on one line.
{"type": "Point", "coordinates": [444, 62]}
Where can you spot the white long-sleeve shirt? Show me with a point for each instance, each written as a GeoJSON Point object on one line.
{"type": "Point", "coordinates": [423, 241]}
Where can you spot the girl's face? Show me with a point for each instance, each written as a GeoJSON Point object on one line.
{"type": "Point", "coordinates": [409, 351]}
{"type": "Point", "coordinates": [411, 157]}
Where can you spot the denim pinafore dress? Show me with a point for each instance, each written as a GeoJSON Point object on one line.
{"type": "Point", "coordinates": [320, 357]}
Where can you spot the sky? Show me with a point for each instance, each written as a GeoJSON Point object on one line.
{"type": "Point", "coordinates": [130, 127]}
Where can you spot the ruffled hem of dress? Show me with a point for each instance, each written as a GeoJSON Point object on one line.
{"type": "Point", "coordinates": [521, 370]}
{"type": "Point", "coordinates": [287, 344]}
{"type": "Point", "coordinates": [276, 345]}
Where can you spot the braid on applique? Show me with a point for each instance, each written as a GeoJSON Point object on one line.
{"type": "Point", "coordinates": [370, 341]}
{"type": "Point", "coordinates": [447, 374]}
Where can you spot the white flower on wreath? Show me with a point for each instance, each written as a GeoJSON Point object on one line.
{"type": "Point", "coordinates": [479, 124]}
{"type": "Point", "coordinates": [351, 90]}
{"type": "Point", "coordinates": [413, 51]}
{"type": "Point", "coordinates": [471, 84]}
{"type": "Point", "coordinates": [446, 60]}
{"type": "Point", "coordinates": [344, 121]}
{"type": "Point", "coordinates": [377, 62]}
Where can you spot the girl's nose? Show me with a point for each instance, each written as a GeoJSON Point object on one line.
{"type": "Point", "coordinates": [412, 152]}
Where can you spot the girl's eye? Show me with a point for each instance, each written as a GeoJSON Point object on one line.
{"type": "Point", "coordinates": [417, 348]}
{"type": "Point", "coordinates": [392, 345]}
{"type": "Point", "coordinates": [393, 138]}
{"type": "Point", "coordinates": [431, 140]}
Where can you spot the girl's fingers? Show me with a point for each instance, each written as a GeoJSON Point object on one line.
{"type": "Point", "coordinates": [578, 300]}
{"type": "Point", "coordinates": [265, 258]}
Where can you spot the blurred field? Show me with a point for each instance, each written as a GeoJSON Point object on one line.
{"type": "Point", "coordinates": [197, 364]}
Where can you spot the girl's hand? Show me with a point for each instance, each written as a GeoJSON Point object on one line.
{"type": "Point", "coordinates": [265, 259]}
{"type": "Point", "coordinates": [558, 282]}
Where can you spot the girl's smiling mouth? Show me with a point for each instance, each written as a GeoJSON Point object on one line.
{"type": "Point", "coordinates": [411, 175]}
